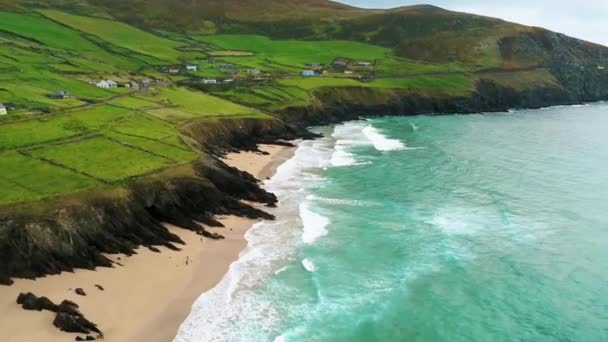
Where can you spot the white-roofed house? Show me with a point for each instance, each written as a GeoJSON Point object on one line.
{"type": "Point", "coordinates": [3, 110]}
{"type": "Point", "coordinates": [103, 84]}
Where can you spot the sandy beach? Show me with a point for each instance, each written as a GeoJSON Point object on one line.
{"type": "Point", "coordinates": [148, 297]}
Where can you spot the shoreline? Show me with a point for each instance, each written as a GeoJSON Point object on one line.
{"type": "Point", "coordinates": [157, 288]}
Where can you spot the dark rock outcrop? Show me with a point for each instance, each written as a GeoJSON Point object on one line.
{"type": "Point", "coordinates": [29, 301]}
{"type": "Point", "coordinates": [74, 324]}
{"type": "Point", "coordinates": [80, 292]}
{"type": "Point", "coordinates": [68, 318]}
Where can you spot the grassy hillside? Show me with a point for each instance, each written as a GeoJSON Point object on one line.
{"type": "Point", "coordinates": [104, 138]}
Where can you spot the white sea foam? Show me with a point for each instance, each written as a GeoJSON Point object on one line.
{"type": "Point", "coordinates": [381, 142]}
{"type": "Point", "coordinates": [340, 201]}
{"type": "Point", "coordinates": [347, 135]}
{"type": "Point", "coordinates": [281, 270]}
{"type": "Point", "coordinates": [309, 265]}
{"type": "Point", "coordinates": [313, 224]}
{"type": "Point", "coordinates": [341, 157]}
{"type": "Point", "coordinates": [280, 338]}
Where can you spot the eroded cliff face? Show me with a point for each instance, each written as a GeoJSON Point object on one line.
{"type": "Point", "coordinates": [74, 231]}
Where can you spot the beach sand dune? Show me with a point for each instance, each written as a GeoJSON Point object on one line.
{"type": "Point", "coordinates": [148, 297]}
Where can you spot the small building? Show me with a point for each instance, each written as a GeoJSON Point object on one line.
{"type": "Point", "coordinates": [314, 65]}
{"type": "Point", "coordinates": [599, 67]}
{"type": "Point", "coordinates": [226, 66]}
{"type": "Point", "coordinates": [59, 95]}
{"type": "Point", "coordinates": [209, 81]}
{"type": "Point", "coordinates": [174, 70]}
{"type": "Point", "coordinates": [340, 64]}
{"type": "Point", "coordinates": [191, 67]}
{"type": "Point", "coordinates": [3, 110]}
{"type": "Point", "coordinates": [103, 84]}
{"type": "Point", "coordinates": [131, 84]}
{"type": "Point", "coordinates": [254, 71]}
{"type": "Point", "coordinates": [363, 64]}
{"type": "Point", "coordinates": [309, 73]}
{"type": "Point", "coordinates": [348, 72]}
{"type": "Point", "coordinates": [106, 84]}
{"type": "Point", "coordinates": [259, 79]}
{"type": "Point", "coordinates": [228, 80]}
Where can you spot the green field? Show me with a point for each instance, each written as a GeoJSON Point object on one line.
{"type": "Point", "coordinates": [199, 104]}
{"type": "Point", "coordinates": [103, 158]}
{"type": "Point", "coordinates": [294, 52]}
{"type": "Point", "coordinates": [24, 178]}
{"type": "Point", "coordinates": [120, 34]}
{"type": "Point", "coordinates": [452, 83]}
{"type": "Point", "coordinates": [45, 31]}
{"type": "Point", "coordinates": [293, 55]}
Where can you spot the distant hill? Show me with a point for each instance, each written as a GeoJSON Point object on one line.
{"type": "Point", "coordinates": [422, 32]}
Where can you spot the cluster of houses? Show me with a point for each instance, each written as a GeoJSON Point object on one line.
{"type": "Point", "coordinates": [318, 69]}
{"type": "Point", "coordinates": [216, 81]}
{"type": "Point", "coordinates": [178, 69]}
{"type": "Point", "coordinates": [106, 84]}
{"type": "Point", "coordinates": [230, 70]}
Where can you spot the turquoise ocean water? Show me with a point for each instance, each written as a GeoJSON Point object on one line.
{"type": "Point", "coordinates": [430, 228]}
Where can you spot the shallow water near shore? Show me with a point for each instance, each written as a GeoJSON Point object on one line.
{"type": "Point", "coordinates": [431, 228]}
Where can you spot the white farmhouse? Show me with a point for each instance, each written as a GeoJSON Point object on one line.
{"type": "Point", "coordinates": [209, 81]}
{"type": "Point", "coordinates": [191, 67]}
{"type": "Point", "coordinates": [106, 84]}
{"type": "Point", "coordinates": [3, 110]}
{"type": "Point", "coordinates": [102, 84]}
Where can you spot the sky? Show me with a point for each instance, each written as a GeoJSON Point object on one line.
{"type": "Point", "coordinates": [585, 19]}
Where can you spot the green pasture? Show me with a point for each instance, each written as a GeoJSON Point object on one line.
{"type": "Point", "coordinates": [294, 52]}
{"type": "Point", "coordinates": [120, 34]}
{"type": "Point", "coordinates": [201, 104]}
{"type": "Point", "coordinates": [103, 158]}
{"type": "Point", "coordinates": [24, 178]}
{"type": "Point", "coordinates": [45, 31]}
{"type": "Point", "coordinates": [452, 83]}
{"type": "Point", "coordinates": [56, 127]}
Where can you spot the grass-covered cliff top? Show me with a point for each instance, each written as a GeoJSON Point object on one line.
{"type": "Point", "coordinates": [240, 67]}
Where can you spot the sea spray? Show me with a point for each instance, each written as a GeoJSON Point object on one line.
{"type": "Point", "coordinates": [313, 224]}
{"type": "Point", "coordinates": [309, 265]}
{"type": "Point", "coordinates": [380, 141]}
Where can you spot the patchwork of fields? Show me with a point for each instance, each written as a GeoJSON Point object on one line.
{"type": "Point", "coordinates": [100, 138]}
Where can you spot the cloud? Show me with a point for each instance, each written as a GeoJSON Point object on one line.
{"type": "Point", "coordinates": [581, 19]}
